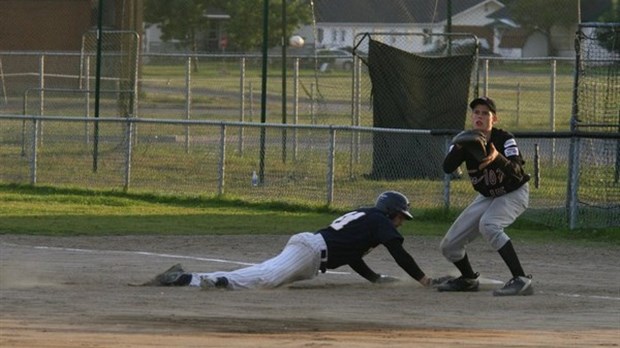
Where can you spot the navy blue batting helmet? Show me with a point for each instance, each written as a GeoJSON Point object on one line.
{"type": "Point", "coordinates": [391, 202]}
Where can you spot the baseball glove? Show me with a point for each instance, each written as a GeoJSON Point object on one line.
{"type": "Point", "coordinates": [474, 142]}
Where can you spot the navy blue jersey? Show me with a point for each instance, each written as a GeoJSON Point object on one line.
{"type": "Point", "coordinates": [354, 234]}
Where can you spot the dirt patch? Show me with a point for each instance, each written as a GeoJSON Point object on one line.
{"type": "Point", "coordinates": [73, 292]}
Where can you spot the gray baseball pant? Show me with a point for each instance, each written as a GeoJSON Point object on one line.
{"type": "Point", "coordinates": [486, 216]}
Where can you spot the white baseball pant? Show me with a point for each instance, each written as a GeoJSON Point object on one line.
{"type": "Point", "coordinates": [299, 260]}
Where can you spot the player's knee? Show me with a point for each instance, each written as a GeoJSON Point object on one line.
{"type": "Point", "coordinates": [443, 246]}
{"type": "Point", "coordinates": [493, 233]}
{"type": "Point", "coordinates": [449, 250]}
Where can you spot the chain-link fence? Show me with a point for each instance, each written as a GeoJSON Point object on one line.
{"type": "Point", "coordinates": [324, 165]}
{"type": "Point", "coordinates": [533, 94]}
{"type": "Point", "coordinates": [179, 102]}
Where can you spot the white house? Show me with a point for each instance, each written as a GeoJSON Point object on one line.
{"type": "Point", "coordinates": [339, 23]}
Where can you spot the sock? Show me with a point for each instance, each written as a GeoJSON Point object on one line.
{"type": "Point", "coordinates": [511, 259]}
{"type": "Point", "coordinates": [465, 267]}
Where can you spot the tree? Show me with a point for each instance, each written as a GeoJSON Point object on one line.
{"type": "Point", "coordinates": [182, 20]}
{"type": "Point", "coordinates": [185, 19]}
{"type": "Point", "coordinates": [543, 15]}
{"type": "Point", "coordinates": [246, 21]}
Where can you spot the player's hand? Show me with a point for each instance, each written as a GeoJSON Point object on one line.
{"type": "Point", "coordinates": [384, 279]}
{"type": "Point", "coordinates": [492, 155]}
{"type": "Point", "coordinates": [426, 281]}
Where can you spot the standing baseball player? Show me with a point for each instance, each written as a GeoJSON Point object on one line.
{"type": "Point", "coordinates": [344, 242]}
{"type": "Point", "coordinates": [503, 194]}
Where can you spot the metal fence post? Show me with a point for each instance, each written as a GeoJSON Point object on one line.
{"type": "Point", "coordinates": [536, 166]}
{"type": "Point", "coordinates": [87, 97]}
{"type": "Point", "coordinates": [331, 165]}
{"type": "Point", "coordinates": [486, 76]}
{"type": "Point", "coordinates": [128, 152]}
{"type": "Point", "coordinates": [295, 106]}
{"type": "Point", "coordinates": [573, 182]}
{"type": "Point", "coordinates": [251, 97]}
{"type": "Point", "coordinates": [518, 103]}
{"type": "Point", "coordinates": [41, 95]}
{"type": "Point", "coordinates": [446, 179]}
{"type": "Point", "coordinates": [4, 97]}
{"type": "Point", "coordinates": [312, 115]}
{"type": "Point", "coordinates": [188, 98]}
{"type": "Point", "coordinates": [25, 111]}
{"type": "Point", "coordinates": [222, 161]}
{"type": "Point", "coordinates": [33, 160]}
{"type": "Point", "coordinates": [552, 108]}
{"type": "Point", "coordinates": [241, 104]}
{"type": "Point", "coordinates": [358, 106]}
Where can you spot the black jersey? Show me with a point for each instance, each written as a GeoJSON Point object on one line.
{"type": "Point", "coordinates": [505, 174]}
{"type": "Point", "coordinates": [356, 233]}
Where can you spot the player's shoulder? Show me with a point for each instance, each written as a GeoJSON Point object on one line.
{"type": "Point", "coordinates": [375, 213]}
{"type": "Point", "coordinates": [371, 214]}
{"type": "Point", "coordinates": [503, 137]}
{"type": "Point", "coordinates": [501, 133]}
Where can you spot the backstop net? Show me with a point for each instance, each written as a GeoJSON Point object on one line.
{"type": "Point", "coordinates": [414, 87]}
{"type": "Point", "coordinates": [596, 109]}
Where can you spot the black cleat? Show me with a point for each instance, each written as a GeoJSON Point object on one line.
{"type": "Point", "coordinates": [517, 286]}
{"type": "Point", "coordinates": [461, 284]}
{"type": "Point", "coordinates": [214, 283]}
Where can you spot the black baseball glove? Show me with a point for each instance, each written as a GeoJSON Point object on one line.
{"type": "Point", "coordinates": [472, 141]}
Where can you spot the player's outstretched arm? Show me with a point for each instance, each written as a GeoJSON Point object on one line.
{"type": "Point", "coordinates": [361, 268]}
{"type": "Point", "coordinates": [406, 261]}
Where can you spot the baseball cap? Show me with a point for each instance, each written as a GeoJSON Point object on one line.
{"type": "Point", "coordinates": [484, 101]}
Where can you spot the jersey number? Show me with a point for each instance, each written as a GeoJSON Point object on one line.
{"type": "Point", "coordinates": [340, 222]}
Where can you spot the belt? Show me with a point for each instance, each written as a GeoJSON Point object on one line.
{"type": "Point", "coordinates": [323, 266]}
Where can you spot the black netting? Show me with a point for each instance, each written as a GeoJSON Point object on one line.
{"type": "Point", "coordinates": [415, 92]}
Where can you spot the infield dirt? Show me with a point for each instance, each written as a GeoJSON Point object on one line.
{"type": "Point", "coordinates": [73, 292]}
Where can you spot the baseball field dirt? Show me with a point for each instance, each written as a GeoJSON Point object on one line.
{"type": "Point", "coordinates": [73, 292]}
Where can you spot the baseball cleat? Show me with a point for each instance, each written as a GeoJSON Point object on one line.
{"type": "Point", "coordinates": [214, 283]}
{"type": "Point", "coordinates": [460, 284]}
{"type": "Point", "coordinates": [517, 286]}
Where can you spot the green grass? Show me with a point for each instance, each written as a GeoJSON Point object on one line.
{"type": "Point", "coordinates": [73, 211]}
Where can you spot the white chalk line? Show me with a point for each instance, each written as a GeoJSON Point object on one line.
{"type": "Point", "coordinates": [172, 256]}
{"type": "Point", "coordinates": [146, 253]}
{"type": "Point", "coordinates": [591, 296]}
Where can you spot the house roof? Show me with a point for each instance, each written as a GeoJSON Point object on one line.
{"type": "Point", "coordinates": [388, 11]}
{"type": "Point", "coordinates": [590, 10]}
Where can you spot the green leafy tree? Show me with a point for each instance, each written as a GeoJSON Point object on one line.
{"type": "Point", "coordinates": [543, 15]}
{"type": "Point", "coordinates": [246, 21]}
{"type": "Point", "coordinates": [184, 20]}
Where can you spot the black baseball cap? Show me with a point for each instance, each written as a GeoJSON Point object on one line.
{"type": "Point", "coordinates": [484, 101]}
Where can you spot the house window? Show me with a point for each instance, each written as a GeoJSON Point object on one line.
{"type": "Point", "coordinates": [334, 35]}
{"type": "Point", "coordinates": [320, 35]}
{"type": "Point", "coordinates": [343, 35]}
